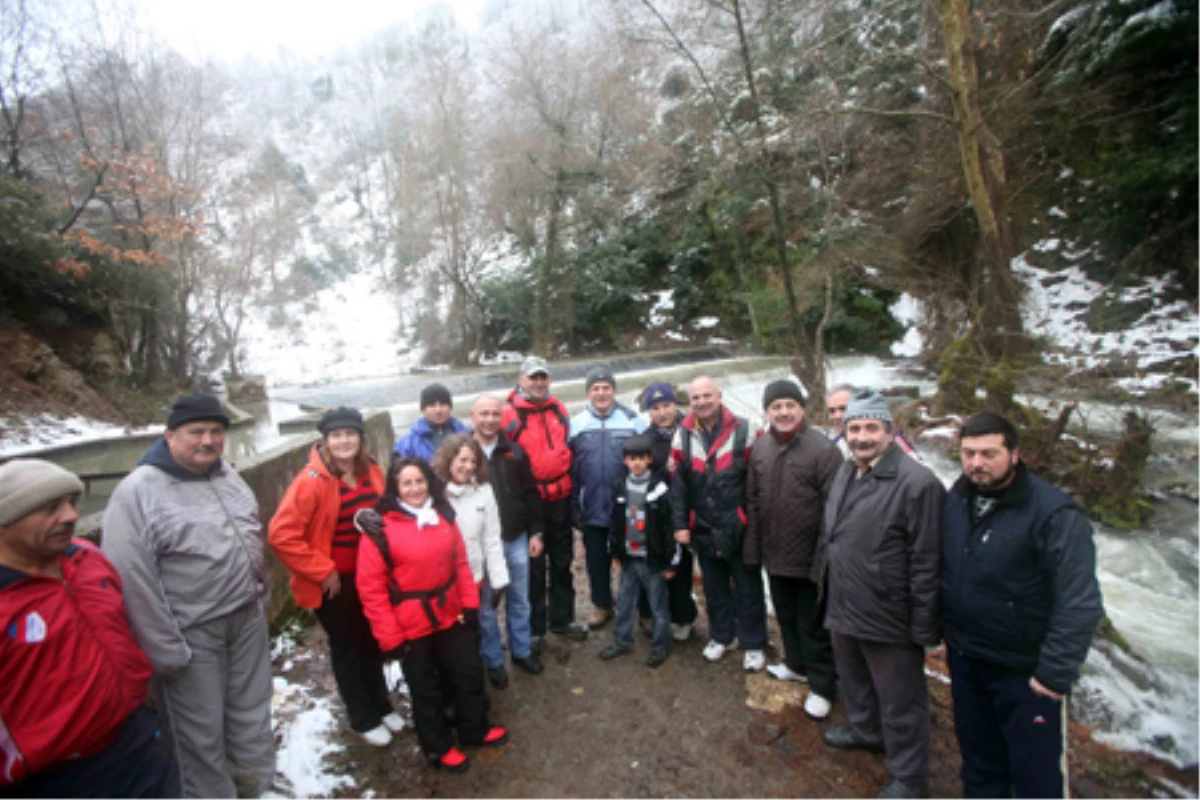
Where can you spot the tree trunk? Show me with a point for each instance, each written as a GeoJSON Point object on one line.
{"type": "Point", "coordinates": [999, 321]}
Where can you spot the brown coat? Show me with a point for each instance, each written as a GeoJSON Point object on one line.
{"type": "Point", "coordinates": [786, 487]}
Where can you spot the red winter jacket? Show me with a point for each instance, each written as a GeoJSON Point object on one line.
{"type": "Point", "coordinates": [70, 670]}
{"type": "Point", "coordinates": [431, 561]}
{"type": "Point", "coordinates": [542, 430]}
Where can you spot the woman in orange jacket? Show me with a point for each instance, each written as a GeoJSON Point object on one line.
{"type": "Point", "coordinates": [313, 534]}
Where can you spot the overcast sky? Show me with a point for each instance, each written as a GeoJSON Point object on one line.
{"type": "Point", "coordinates": [230, 29]}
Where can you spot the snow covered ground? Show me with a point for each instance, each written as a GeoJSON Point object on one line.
{"type": "Point", "coordinates": [48, 430]}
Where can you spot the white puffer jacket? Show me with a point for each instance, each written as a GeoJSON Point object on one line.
{"type": "Point", "coordinates": [478, 519]}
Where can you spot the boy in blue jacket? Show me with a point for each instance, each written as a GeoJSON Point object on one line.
{"type": "Point", "coordinates": [640, 539]}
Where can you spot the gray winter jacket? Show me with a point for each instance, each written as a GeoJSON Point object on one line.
{"type": "Point", "coordinates": [189, 549]}
{"type": "Point", "coordinates": [880, 552]}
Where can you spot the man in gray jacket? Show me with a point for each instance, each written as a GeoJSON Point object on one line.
{"type": "Point", "coordinates": [879, 557]}
{"type": "Point", "coordinates": [183, 532]}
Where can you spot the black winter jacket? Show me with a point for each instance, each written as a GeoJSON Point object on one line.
{"type": "Point", "coordinates": [708, 488]}
{"type": "Point", "coordinates": [880, 552]}
{"type": "Point", "coordinates": [660, 539]}
{"type": "Point", "coordinates": [1019, 584]}
{"type": "Point", "coordinates": [660, 442]}
{"type": "Point", "coordinates": [516, 491]}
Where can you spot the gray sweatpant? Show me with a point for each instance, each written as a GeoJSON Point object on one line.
{"type": "Point", "coordinates": [887, 700]}
{"type": "Point", "coordinates": [218, 709]}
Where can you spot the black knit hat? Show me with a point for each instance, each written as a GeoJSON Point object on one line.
{"type": "Point", "coordinates": [784, 388]}
{"type": "Point", "coordinates": [435, 393]}
{"type": "Point", "coordinates": [197, 408]}
{"type": "Point", "coordinates": [639, 445]}
{"type": "Point", "coordinates": [341, 418]}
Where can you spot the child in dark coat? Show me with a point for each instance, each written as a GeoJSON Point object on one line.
{"type": "Point", "coordinates": [640, 539]}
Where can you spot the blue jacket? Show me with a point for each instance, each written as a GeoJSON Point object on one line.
{"type": "Point", "coordinates": [419, 439]}
{"type": "Point", "coordinates": [597, 462]}
{"type": "Point", "coordinates": [1019, 584]}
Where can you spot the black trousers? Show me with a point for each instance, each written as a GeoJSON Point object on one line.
{"type": "Point", "coordinates": [445, 657]}
{"type": "Point", "coordinates": [1012, 740]}
{"type": "Point", "coordinates": [553, 566]}
{"type": "Point", "coordinates": [679, 593]}
{"type": "Point", "coordinates": [807, 647]}
{"type": "Point", "coordinates": [887, 700]}
{"type": "Point", "coordinates": [136, 764]}
{"type": "Point", "coordinates": [357, 661]}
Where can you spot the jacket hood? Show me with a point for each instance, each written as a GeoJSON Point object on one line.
{"type": "Point", "coordinates": [159, 455]}
{"type": "Point", "coordinates": [521, 401]}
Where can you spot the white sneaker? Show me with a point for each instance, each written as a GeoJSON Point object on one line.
{"type": "Point", "coordinates": [754, 661]}
{"type": "Point", "coordinates": [394, 722]}
{"type": "Point", "coordinates": [379, 736]}
{"type": "Point", "coordinates": [783, 672]}
{"type": "Point", "coordinates": [715, 651]}
{"type": "Point", "coordinates": [816, 706]}
{"type": "Point", "coordinates": [681, 633]}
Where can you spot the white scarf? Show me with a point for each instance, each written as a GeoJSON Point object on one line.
{"type": "Point", "coordinates": [426, 516]}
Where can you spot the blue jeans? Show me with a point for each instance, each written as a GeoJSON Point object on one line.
{"type": "Point", "coordinates": [635, 574]}
{"type": "Point", "coordinates": [517, 613]}
{"type": "Point", "coordinates": [745, 603]}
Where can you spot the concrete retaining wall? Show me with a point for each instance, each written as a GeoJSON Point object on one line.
{"type": "Point", "coordinates": [269, 475]}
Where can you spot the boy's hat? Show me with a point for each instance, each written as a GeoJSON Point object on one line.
{"type": "Point", "coordinates": [637, 446]}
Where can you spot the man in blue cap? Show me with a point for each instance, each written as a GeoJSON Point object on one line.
{"type": "Point", "coordinates": [659, 403]}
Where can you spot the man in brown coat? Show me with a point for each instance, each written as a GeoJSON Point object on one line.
{"type": "Point", "coordinates": [790, 474]}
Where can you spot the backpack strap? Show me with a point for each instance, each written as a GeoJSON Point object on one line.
{"type": "Point", "coordinates": [396, 596]}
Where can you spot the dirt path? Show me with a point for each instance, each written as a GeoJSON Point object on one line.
{"type": "Point", "coordinates": [587, 728]}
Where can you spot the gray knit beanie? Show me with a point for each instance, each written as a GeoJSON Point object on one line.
{"type": "Point", "coordinates": [27, 484]}
{"type": "Point", "coordinates": [599, 374]}
{"type": "Point", "coordinates": [868, 404]}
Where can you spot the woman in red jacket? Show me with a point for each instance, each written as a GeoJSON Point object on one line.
{"type": "Point", "coordinates": [420, 597]}
{"type": "Point", "coordinates": [313, 534]}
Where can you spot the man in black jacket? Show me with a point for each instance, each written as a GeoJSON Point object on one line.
{"type": "Point", "coordinates": [1020, 604]}
{"type": "Point", "coordinates": [521, 531]}
{"type": "Point", "coordinates": [880, 557]}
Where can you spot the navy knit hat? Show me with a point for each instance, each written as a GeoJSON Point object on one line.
{"type": "Point", "coordinates": [868, 404]}
{"type": "Point", "coordinates": [341, 418]}
{"type": "Point", "coordinates": [778, 389]}
{"type": "Point", "coordinates": [435, 393]}
{"type": "Point", "coordinates": [197, 408]}
{"type": "Point", "coordinates": [657, 393]}
{"type": "Point", "coordinates": [599, 374]}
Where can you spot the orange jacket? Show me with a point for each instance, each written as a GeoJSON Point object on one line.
{"type": "Point", "coordinates": [301, 532]}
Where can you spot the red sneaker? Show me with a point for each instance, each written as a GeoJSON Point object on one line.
{"type": "Point", "coordinates": [454, 760]}
{"type": "Point", "coordinates": [496, 736]}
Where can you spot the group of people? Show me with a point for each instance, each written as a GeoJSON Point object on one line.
{"type": "Point", "coordinates": [868, 558]}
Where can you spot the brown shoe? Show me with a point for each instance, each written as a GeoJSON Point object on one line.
{"type": "Point", "coordinates": [599, 617]}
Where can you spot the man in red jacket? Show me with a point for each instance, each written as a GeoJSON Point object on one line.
{"type": "Point", "coordinates": [538, 421]}
{"type": "Point", "coordinates": [72, 719]}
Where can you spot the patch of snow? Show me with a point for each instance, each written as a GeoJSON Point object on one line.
{"type": "Point", "coordinates": [1047, 245]}
{"type": "Point", "coordinates": [306, 727]}
{"type": "Point", "coordinates": [502, 357]}
{"type": "Point", "coordinates": [675, 336]}
{"type": "Point", "coordinates": [717, 340]}
{"type": "Point", "coordinates": [705, 322]}
{"type": "Point", "coordinates": [48, 430]}
{"type": "Point", "coordinates": [358, 336]}
{"type": "Point", "coordinates": [1055, 211]}
{"type": "Point", "coordinates": [908, 311]}
{"type": "Point", "coordinates": [658, 312]}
